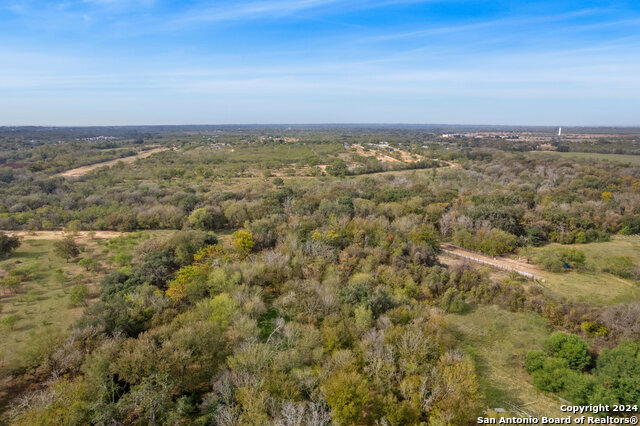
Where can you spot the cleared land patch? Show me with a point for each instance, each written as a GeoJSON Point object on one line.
{"type": "Point", "coordinates": [80, 171]}
{"type": "Point", "coordinates": [530, 271]}
{"type": "Point", "coordinates": [41, 306]}
{"type": "Point", "coordinates": [378, 152]}
{"type": "Point", "coordinates": [592, 286]}
{"type": "Point", "coordinates": [81, 236]}
{"type": "Point", "coordinates": [616, 158]}
{"type": "Point", "coordinates": [497, 340]}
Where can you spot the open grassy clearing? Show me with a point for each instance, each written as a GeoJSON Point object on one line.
{"type": "Point", "coordinates": [42, 305]}
{"type": "Point", "coordinates": [498, 340]}
{"type": "Point", "coordinates": [295, 181]}
{"type": "Point", "coordinates": [591, 288]}
{"type": "Point", "coordinates": [595, 286]}
{"type": "Point", "coordinates": [620, 245]}
{"type": "Point", "coordinates": [616, 158]}
{"type": "Point", "coordinates": [81, 171]}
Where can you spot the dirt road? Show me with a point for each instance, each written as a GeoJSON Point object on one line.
{"type": "Point", "coordinates": [525, 269]}
{"type": "Point", "coordinates": [81, 236]}
{"type": "Point", "coordinates": [80, 171]}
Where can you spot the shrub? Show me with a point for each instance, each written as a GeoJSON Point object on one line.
{"type": "Point", "coordinates": [498, 242]}
{"type": "Point", "coordinates": [557, 259]}
{"type": "Point", "coordinates": [579, 388]}
{"type": "Point", "coordinates": [185, 244]}
{"type": "Point", "coordinates": [79, 295]}
{"type": "Point", "coordinates": [552, 374]}
{"type": "Point", "coordinates": [453, 301]}
{"type": "Point", "coordinates": [534, 361]}
{"type": "Point", "coordinates": [10, 321]}
{"type": "Point", "coordinates": [66, 248]}
{"type": "Point", "coordinates": [569, 347]}
{"type": "Point", "coordinates": [363, 318]}
{"type": "Point", "coordinates": [619, 370]}
{"type": "Point", "coordinates": [242, 243]}
{"type": "Point", "coordinates": [493, 242]}
{"type": "Point", "coordinates": [89, 264]}
{"type": "Point", "coordinates": [224, 308]}
{"type": "Point", "coordinates": [202, 219]}
{"type": "Point", "coordinates": [535, 236]}
{"type": "Point", "coordinates": [464, 238]}
{"type": "Point", "coordinates": [10, 283]}
{"type": "Point", "coordinates": [630, 225]}
{"type": "Point", "coordinates": [8, 244]}
{"type": "Point", "coordinates": [157, 268]}
{"type": "Point", "coordinates": [123, 259]}
{"type": "Point", "coordinates": [338, 167]}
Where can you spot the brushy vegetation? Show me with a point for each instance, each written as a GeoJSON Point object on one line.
{"type": "Point", "coordinates": [37, 304]}
{"type": "Point", "coordinates": [8, 244]}
{"type": "Point", "coordinates": [297, 278]}
{"type": "Point", "coordinates": [614, 378]}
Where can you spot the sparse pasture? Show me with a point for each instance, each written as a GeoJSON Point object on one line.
{"type": "Point", "coordinates": [42, 307]}
{"type": "Point", "coordinates": [595, 286]}
{"type": "Point", "coordinates": [497, 340]}
{"type": "Point", "coordinates": [633, 160]}
{"type": "Point", "coordinates": [591, 288]}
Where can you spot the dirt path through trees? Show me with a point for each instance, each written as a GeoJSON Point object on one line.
{"type": "Point", "coordinates": [81, 236]}
{"type": "Point", "coordinates": [80, 171]}
{"type": "Point", "coordinates": [527, 270]}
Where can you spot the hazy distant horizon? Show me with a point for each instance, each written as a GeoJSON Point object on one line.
{"type": "Point", "coordinates": [302, 124]}
{"type": "Point", "coordinates": [117, 62]}
{"type": "Point", "coordinates": [299, 126]}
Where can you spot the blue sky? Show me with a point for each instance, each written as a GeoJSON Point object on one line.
{"type": "Point", "coordinates": [109, 62]}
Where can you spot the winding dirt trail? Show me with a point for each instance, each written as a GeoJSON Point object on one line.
{"type": "Point", "coordinates": [80, 171]}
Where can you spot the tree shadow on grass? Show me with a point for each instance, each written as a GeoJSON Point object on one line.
{"type": "Point", "coordinates": [492, 395]}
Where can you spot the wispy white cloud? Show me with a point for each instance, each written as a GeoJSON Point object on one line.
{"type": "Point", "coordinates": [496, 24]}
{"type": "Point", "coordinates": [579, 74]}
{"type": "Point", "coordinates": [251, 10]}
{"type": "Point", "coordinates": [92, 57]}
{"type": "Point", "coordinates": [281, 8]}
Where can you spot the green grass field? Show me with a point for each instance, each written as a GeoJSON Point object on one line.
{"type": "Point", "coordinates": [616, 158]}
{"type": "Point", "coordinates": [41, 305]}
{"type": "Point", "coordinates": [594, 286]}
{"type": "Point", "coordinates": [498, 341]}
{"type": "Point", "coordinates": [620, 245]}
{"type": "Point", "coordinates": [591, 288]}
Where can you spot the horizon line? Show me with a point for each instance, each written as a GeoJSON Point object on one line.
{"type": "Point", "coordinates": [88, 126]}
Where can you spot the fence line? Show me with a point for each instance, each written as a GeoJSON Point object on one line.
{"type": "Point", "coordinates": [495, 265]}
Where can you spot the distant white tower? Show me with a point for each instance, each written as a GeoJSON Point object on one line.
{"type": "Point", "coordinates": [559, 131]}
